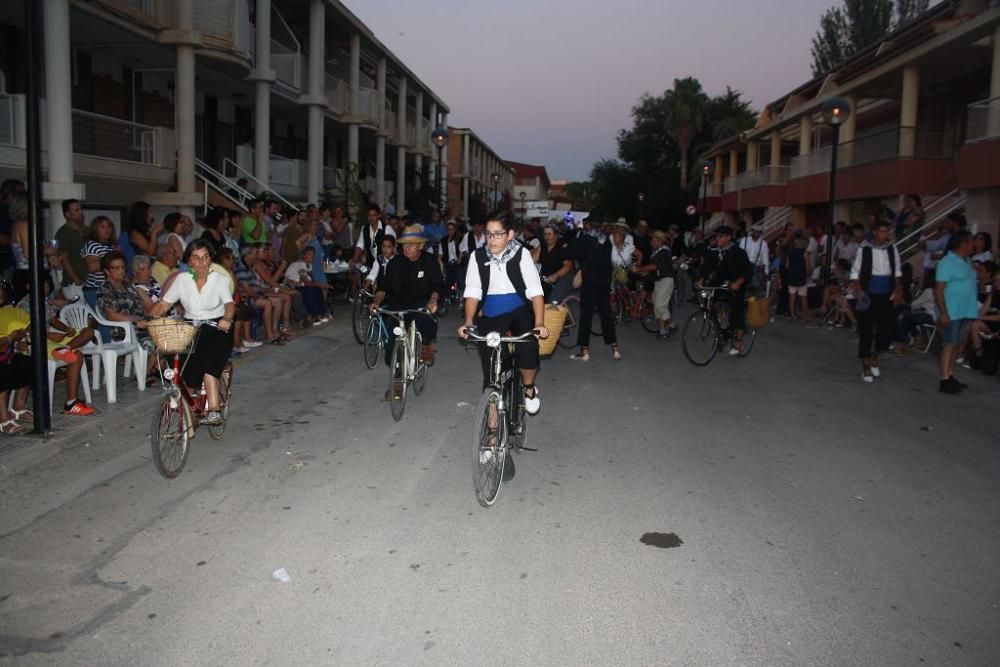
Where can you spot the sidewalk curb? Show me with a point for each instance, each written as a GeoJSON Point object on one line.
{"type": "Point", "coordinates": [41, 448]}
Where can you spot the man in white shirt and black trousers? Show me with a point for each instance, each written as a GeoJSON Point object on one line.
{"type": "Point", "coordinates": [876, 282]}
{"type": "Point", "coordinates": [755, 246]}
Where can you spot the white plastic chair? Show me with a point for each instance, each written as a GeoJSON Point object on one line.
{"type": "Point", "coordinates": [134, 353]}
{"type": "Point", "coordinates": [77, 316]}
{"type": "Point", "coordinates": [53, 367]}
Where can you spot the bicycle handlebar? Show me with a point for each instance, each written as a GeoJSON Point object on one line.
{"type": "Point", "coordinates": [498, 339]}
{"type": "Point", "coordinates": [399, 314]}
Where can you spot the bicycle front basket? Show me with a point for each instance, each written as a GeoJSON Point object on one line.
{"type": "Point", "coordinates": [171, 336]}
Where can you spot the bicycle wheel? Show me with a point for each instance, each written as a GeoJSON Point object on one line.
{"type": "Point", "coordinates": [489, 448]}
{"type": "Point", "coordinates": [397, 381]}
{"type": "Point", "coordinates": [618, 309]}
{"type": "Point", "coordinates": [420, 372]}
{"type": "Point", "coordinates": [567, 339]}
{"type": "Point", "coordinates": [748, 339]}
{"type": "Point", "coordinates": [516, 416]}
{"type": "Point", "coordinates": [225, 393]}
{"type": "Point", "coordinates": [648, 317]}
{"type": "Point", "coordinates": [700, 338]}
{"type": "Point", "coordinates": [374, 344]}
{"type": "Point", "coordinates": [359, 319]}
{"type": "Point", "coordinates": [169, 437]}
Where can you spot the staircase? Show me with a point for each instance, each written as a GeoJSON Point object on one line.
{"type": "Point", "coordinates": [775, 222]}
{"type": "Point", "coordinates": [219, 190]}
{"type": "Point", "coordinates": [935, 212]}
{"type": "Point", "coordinates": [714, 223]}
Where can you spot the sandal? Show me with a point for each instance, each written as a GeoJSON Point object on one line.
{"type": "Point", "coordinates": [11, 426]}
{"type": "Point", "coordinates": [25, 415]}
{"type": "Point", "coordinates": [276, 341]}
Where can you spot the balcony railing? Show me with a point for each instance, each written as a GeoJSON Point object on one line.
{"type": "Point", "coordinates": [114, 139]}
{"type": "Point", "coordinates": [368, 103]}
{"type": "Point", "coordinates": [222, 20]}
{"type": "Point", "coordinates": [888, 144]}
{"type": "Point", "coordinates": [983, 120]}
{"type": "Point", "coordinates": [390, 122]}
{"type": "Point", "coordinates": [287, 64]}
{"type": "Point", "coordinates": [11, 119]}
{"type": "Point", "coordinates": [337, 94]}
{"type": "Point", "coordinates": [411, 136]}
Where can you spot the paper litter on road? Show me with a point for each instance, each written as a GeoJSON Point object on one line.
{"type": "Point", "coordinates": [281, 574]}
{"type": "Point", "coordinates": [859, 498]}
{"type": "Point", "coordinates": [463, 404]}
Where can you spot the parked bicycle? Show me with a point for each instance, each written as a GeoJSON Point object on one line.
{"type": "Point", "coordinates": [180, 413]}
{"type": "Point", "coordinates": [501, 421]}
{"type": "Point", "coordinates": [406, 368]}
{"type": "Point", "coordinates": [709, 329]}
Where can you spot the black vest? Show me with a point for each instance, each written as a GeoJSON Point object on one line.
{"type": "Point", "coordinates": [513, 267]}
{"type": "Point", "coordinates": [366, 233]}
{"type": "Point", "coordinates": [865, 275]}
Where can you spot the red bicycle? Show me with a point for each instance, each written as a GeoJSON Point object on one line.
{"type": "Point", "coordinates": [628, 305]}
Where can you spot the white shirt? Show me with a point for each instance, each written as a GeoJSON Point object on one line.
{"type": "Point", "coordinates": [880, 261]}
{"type": "Point", "coordinates": [295, 269]}
{"type": "Point", "coordinates": [623, 257]}
{"type": "Point", "coordinates": [377, 266]}
{"type": "Point", "coordinates": [500, 282]}
{"type": "Point", "coordinates": [389, 231]}
{"type": "Point", "coordinates": [463, 247]}
{"type": "Point", "coordinates": [757, 250]}
{"type": "Point", "coordinates": [208, 304]}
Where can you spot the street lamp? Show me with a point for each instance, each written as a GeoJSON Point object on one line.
{"type": "Point", "coordinates": [524, 206]}
{"type": "Point", "coordinates": [706, 171]}
{"type": "Point", "coordinates": [835, 111]}
{"type": "Point", "coordinates": [496, 188]}
{"type": "Point", "coordinates": [642, 196]}
{"type": "Point", "coordinates": [440, 139]}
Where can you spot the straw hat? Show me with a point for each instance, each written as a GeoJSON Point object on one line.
{"type": "Point", "coordinates": [412, 234]}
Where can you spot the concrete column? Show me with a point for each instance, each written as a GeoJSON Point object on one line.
{"type": "Point", "coordinates": [993, 114]}
{"type": "Point", "coordinates": [466, 173]}
{"type": "Point", "coordinates": [381, 132]}
{"type": "Point", "coordinates": [316, 98]}
{"type": "Point", "coordinates": [734, 163]}
{"type": "Point", "coordinates": [805, 134]}
{"type": "Point", "coordinates": [401, 156]}
{"type": "Point", "coordinates": [444, 164]}
{"type": "Point", "coordinates": [908, 111]}
{"type": "Point", "coordinates": [419, 123]}
{"type": "Point", "coordinates": [752, 157]}
{"type": "Point", "coordinates": [717, 176]}
{"type": "Point", "coordinates": [58, 112]}
{"type": "Point", "coordinates": [848, 132]}
{"type": "Point", "coordinates": [775, 175]}
{"type": "Point", "coordinates": [353, 86]}
{"type": "Point", "coordinates": [263, 75]}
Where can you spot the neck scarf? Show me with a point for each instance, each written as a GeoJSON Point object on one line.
{"type": "Point", "coordinates": [507, 253]}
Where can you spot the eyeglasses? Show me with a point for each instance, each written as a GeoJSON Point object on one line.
{"type": "Point", "coordinates": [496, 235]}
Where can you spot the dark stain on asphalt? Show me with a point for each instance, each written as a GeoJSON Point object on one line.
{"type": "Point", "coordinates": [150, 616]}
{"type": "Point", "coordinates": [524, 575]}
{"type": "Point", "coordinates": [201, 562]}
{"type": "Point", "coordinates": [5, 598]}
{"type": "Point", "coordinates": [415, 566]}
{"type": "Point", "coordinates": [661, 540]}
{"type": "Point", "coordinates": [428, 646]}
{"type": "Point", "coordinates": [958, 644]}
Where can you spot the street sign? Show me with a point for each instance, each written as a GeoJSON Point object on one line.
{"type": "Point", "coordinates": [537, 209]}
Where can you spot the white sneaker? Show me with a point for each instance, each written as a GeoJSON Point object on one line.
{"type": "Point", "coordinates": [580, 357]}
{"type": "Point", "coordinates": [318, 323]}
{"type": "Point", "coordinates": [876, 372]}
{"type": "Point", "coordinates": [251, 343]}
{"type": "Point", "coordinates": [533, 404]}
{"type": "Point", "coordinates": [485, 456]}
{"type": "Point", "coordinates": [733, 352]}
{"type": "Point", "coordinates": [867, 377]}
{"type": "Point", "coordinates": [240, 350]}
{"type": "Point", "coordinates": [324, 319]}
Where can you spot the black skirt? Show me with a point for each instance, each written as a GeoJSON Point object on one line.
{"type": "Point", "coordinates": [16, 373]}
{"type": "Point", "coordinates": [210, 355]}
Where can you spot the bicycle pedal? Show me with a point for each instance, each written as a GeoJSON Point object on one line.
{"type": "Point", "coordinates": [527, 449]}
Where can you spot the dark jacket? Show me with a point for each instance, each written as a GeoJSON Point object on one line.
{"type": "Point", "coordinates": [726, 265]}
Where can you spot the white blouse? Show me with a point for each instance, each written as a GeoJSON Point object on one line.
{"type": "Point", "coordinates": [208, 304]}
{"type": "Point", "coordinates": [500, 282]}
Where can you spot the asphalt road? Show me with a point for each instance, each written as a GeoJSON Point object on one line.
{"type": "Point", "coordinates": [821, 521]}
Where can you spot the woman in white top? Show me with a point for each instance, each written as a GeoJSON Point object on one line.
{"type": "Point", "coordinates": [206, 296]}
{"type": "Point", "coordinates": [176, 227]}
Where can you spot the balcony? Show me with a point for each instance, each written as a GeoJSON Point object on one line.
{"type": "Point", "coordinates": [288, 64]}
{"type": "Point", "coordinates": [109, 138]}
{"type": "Point", "coordinates": [368, 104]}
{"type": "Point", "coordinates": [338, 96]}
{"type": "Point", "coordinates": [981, 151]}
{"type": "Point", "coordinates": [12, 120]}
{"type": "Point", "coordinates": [222, 23]}
{"type": "Point", "coordinates": [881, 163]}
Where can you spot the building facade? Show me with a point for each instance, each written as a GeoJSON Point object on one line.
{"type": "Point", "coordinates": [174, 101]}
{"type": "Point", "coordinates": [925, 119]}
{"type": "Point", "coordinates": [531, 189]}
{"type": "Point", "coordinates": [480, 181]}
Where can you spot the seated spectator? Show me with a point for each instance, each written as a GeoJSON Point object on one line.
{"type": "Point", "coordinates": [836, 296]}
{"type": "Point", "coordinates": [982, 247]}
{"type": "Point", "coordinates": [270, 275]}
{"type": "Point", "coordinates": [167, 261]}
{"type": "Point", "coordinates": [922, 310]}
{"type": "Point", "coordinates": [215, 223]}
{"type": "Point", "coordinates": [101, 242]}
{"type": "Point", "coordinates": [176, 228]}
{"type": "Point", "coordinates": [984, 277]}
{"type": "Point", "coordinates": [298, 276]}
{"type": "Point", "coordinates": [15, 373]}
{"type": "Point", "coordinates": [989, 318]}
{"type": "Point", "coordinates": [14, 325]}
{"type": "Point", "coordinates": [119, 301]}
{"type": "Point", "coordinates": [262, 297]}
{"type": "Point", "coordinates": [244, 313]}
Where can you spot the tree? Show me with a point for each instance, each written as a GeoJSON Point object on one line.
{"type": "Point", "coordinates": [685, 108]}
{"type": "Point", "coordinates": [858, 24]}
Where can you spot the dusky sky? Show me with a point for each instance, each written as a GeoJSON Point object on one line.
{"type": "Point", "coordinates": [552, 82]}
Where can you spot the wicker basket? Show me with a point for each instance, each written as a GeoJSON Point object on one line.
{"type": "Point", "coordinates": [758, 312]}
{"type": "Point", "coordinates": [171, 336]}
{"type": "Point", "coordinates": [555, 318]}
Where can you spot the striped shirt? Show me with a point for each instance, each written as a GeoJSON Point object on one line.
{"type": "Point", "coordinates": [95, 279]}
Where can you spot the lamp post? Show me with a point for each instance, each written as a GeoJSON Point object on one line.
{"type": "Point", "coordinates": [440, 138]}
{"type": "Point", "coordinates": [496, 189]}
{"type": "Point", "coordinates": [524, 206]}
{"type": "Point", "coordinates": [642, 196]}
{"type": "Point", "coordinates": [836, 110]}
{"type": "Point", "coordinates": [706, 171]}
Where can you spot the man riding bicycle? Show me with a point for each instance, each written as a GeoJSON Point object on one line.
{"type": "Point", "coordinates": [412, 280]}
{"type": "Point", "coordinates": [728, 263]}
{"type": "Point", "coordinates": [502, 286]}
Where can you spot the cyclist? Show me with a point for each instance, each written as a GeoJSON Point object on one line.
{"type": "Point", "coordinates": [661, 271]}
{"type": "Point", "coordinates": [727, 262]}
{"type": "Point", "coordinates": [206, 297]}
{"type": "Point", "coordinates": [412, 280]}
{"type": "Point", "coordinates": [503, 287]}
{"type": "Point", "coordinates": [367, 247]}
{"type": "Point", "coordinates": [387, 252]}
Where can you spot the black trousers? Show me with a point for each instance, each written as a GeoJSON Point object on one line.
{"type": "Point", "coordinates": [517, 322]}
{"type": "Point", "coordinates": [210, 355]}
{"type": "Point", "coordinates": [876, 325]}
{"type": "Point", "coordinates": [595, 298]}
{"type": "Point", "coordinates": [426, 325]}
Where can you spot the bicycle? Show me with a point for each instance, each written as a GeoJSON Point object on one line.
{"type": "Point", "coordinates": [360, 314]}
{"type": "Point", "coordinates": [501, 424]}
{"type": "Point", "coordinates": [628, 305]}
{"type": "Point", "coordinates": [405, 366]}
{"type": "Point", "coordinates": [567, 338]}
{"type": "Point", "coordinates": [180, 413]}
{"type": "Point", "coordinates": [709, 329]}
{"type": "Point", "coordinates": [376, 338]}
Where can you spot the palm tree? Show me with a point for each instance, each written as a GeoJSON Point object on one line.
{"type": "Point", "coordinates": [685, 106]}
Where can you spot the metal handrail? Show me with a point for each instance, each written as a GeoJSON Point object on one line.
{"type": "Point", "coordinates": [243, 196]}
{"type": "Point", "coordinates": [949, 202]}
{"type": "Point", "coordinates": [227, 162]}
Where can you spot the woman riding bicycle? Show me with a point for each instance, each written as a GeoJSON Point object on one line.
{"type": "Point", "coordinates": [206, 297]}
{"type": "Point", "coordinates": [502, 279]}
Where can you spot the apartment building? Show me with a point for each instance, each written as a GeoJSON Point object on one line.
{"type": "Point", "coordinates": [480, 181]}
{"type": "Point", "coordinates": [925, 119]}
{"type": "Point", "coordinates": [531, 190]}
{"type": "Point", "coordinates": [174, 101]}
